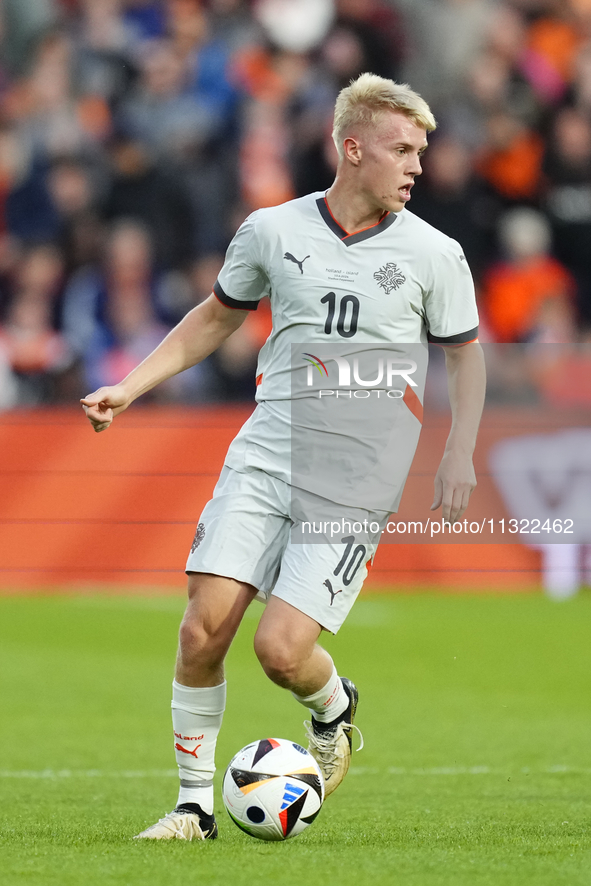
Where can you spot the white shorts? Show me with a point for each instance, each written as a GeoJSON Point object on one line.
{"type": "Point", "coordinates": [245, 533]}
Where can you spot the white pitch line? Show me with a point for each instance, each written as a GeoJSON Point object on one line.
{"type": "Point", "coordinates": [88, 773]}
{"type": "Point", "coordinates": [468, 770]}
{"type": "Point", "coordinates": [354, 770]}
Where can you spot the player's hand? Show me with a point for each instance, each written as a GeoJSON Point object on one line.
{"type": "Point", "coordinates": [454, 483]}
{"type": "Point", "coordinates": [103, 405]}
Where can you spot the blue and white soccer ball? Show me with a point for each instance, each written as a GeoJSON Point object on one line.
{"type": "Point", "coordinates": [273, 789]}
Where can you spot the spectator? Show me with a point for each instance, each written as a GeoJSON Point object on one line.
{"type": "Point", "coordinates": [37, 353]}
{"type": "Point", "coordinates": [377, 27]}
{"type": "Point", "coordinates": [232, 23]}
{"type": "Point", "coordinates": [153, 193]}
{"type": "Point", "coordinates": [73, 193]}
{"type": "Point", "coordinates": [580, 93]}
{"type": "Point", "coordinates": [450, 34]}
{"type": "Point", "coordinates": [529, 295]}
{"type": "Point", "coordinates": [105, 39]}
{"type": "Point", "coordinates": [511, 160]}
{"type": "Point", "coordinates": [552, 42]}
{"type": "Point", "coordinates": [144, 19]}
{"type": "Point", "coordinates": [111, 313]}
{"type": "Point", "coordinates": [160, 112]}
{"type": "Point", "coordinates": [567, 166]}
{"type": "Point", "coordinates": [23, 21]}
{"type": "Point", "coordinates": [149, 128]}
{"type": "Point", "coordinates": [450, 198]}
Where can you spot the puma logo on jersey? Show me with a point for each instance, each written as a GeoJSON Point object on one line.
{"type": "Point", "coordinates": [332, 593]}
{"type": "Point", "coordinates": [300, 264]}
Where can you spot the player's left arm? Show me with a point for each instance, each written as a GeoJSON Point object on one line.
{"type": "Point", "coordinates": [455, 479]}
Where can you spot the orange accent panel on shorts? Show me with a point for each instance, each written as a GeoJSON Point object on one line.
{"type": "Point", "coordinates": [413, 403]}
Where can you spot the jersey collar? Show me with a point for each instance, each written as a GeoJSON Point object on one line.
{"type": "Point", "coordinates": [358, 236]}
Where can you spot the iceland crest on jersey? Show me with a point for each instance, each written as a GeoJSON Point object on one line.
{"type": "Point", "coordinates": [199, 536]}
{"type": "Point", "coordinates": [389, 277]}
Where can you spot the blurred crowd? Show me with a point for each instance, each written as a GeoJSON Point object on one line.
{"type": "Point", "coordinates": [136, 135]}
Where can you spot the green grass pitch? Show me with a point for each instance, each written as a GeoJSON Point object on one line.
{"type": "Point", "coordinates": [476, 713]}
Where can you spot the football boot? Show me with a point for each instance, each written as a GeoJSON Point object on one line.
{"type": "Point", "coordinates": [331, 743]}
{"type": "Point", "coordinates": [186, 822]}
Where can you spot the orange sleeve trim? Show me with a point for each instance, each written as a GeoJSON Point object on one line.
{"type": "Point", "coordinates": [457, 344]}
{"type": "Point", "coordinates": [233, 303]}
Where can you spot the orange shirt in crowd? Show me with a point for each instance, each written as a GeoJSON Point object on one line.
{"type": "Point", "coordinates": [514, 170]}
{"type": "Point", "coordinates": [557, 42]}
{"type": "Point", "coordinates": [514, 294]}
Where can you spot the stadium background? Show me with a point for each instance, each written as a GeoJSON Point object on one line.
{"type": "Point", "coordinates": [134, 138]}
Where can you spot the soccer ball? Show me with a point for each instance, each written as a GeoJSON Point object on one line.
{"type": "Point", "coordinates": [273, 789]}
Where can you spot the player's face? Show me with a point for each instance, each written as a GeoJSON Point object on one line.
{"type": "Point", "coordinates": [390, 159]}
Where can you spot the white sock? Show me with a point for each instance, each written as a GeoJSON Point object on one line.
{"type": "Point", "coordinates": [196, 720]}
{"type": "Point", "coordinates": [329, 702]}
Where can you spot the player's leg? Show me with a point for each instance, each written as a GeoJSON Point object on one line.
{"type": "Point", "coordinates": [241, 534]}
{"type": "Point", "coordinates": [212, 616]}
{"type": "Point", "coordinates": [214, 612]}
{"type": "Point", "coordinates": [317, 585]}
{"type": "Point", "coordinates": [286, 645]}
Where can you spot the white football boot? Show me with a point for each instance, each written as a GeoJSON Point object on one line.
{"type": "Point", "coordinates": [187, 822]}
{"type": "Point", "coordinates": [331, 743]}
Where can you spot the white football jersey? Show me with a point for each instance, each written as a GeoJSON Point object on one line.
{"type": "Point", "coordinates": [398, 281]}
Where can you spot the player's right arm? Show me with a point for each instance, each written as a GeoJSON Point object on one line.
{"type": "Point", "coordinates": [198, 334]}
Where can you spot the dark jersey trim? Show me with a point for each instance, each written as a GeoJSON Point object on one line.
{"type": "Point", "coordinates": [462, 338]}
{"type": "Point", "coordinates": [330, 219]}
{"type": "Point", "coordinates": [230, 302]}
{"type": "Point", "coordinates": [358, 236]}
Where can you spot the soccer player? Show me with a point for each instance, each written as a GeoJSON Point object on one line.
{"type": "Point", "coordinates": [352, 266]}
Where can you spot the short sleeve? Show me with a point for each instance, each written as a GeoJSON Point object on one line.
{"type": "Point", "coordinates": [450, 305]}
{"type": "Point", "coordinates": [242, 282]}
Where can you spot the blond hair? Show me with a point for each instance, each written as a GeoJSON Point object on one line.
{"type": "Point", "coordinates": [365, 99]}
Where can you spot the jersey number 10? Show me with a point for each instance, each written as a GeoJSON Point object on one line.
{"type": "Point", "coordinates": [347, 319]}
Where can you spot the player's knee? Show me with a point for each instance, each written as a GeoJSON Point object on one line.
{"type": "Point", "coordinates": [279, 662]}
{"type": "Point", "coordinates": [197, 643]}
